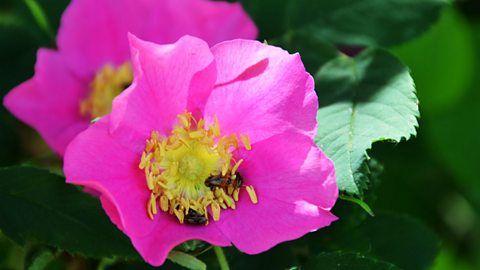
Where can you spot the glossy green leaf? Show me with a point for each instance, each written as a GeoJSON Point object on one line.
{"type": "Point", "coordinates": [362, 100]}
{"type": "Point", "coordinates": [186, 260]}
{"type": "Point", "coordinates": [347, 261]}
{"type": "Point", "coordinates": [359, 22]}
{"type": "Point", "coordinates": [282, 256]}
{"type": "Point", "coordinates": [39, 207]}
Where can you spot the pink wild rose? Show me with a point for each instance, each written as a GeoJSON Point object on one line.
{"type": "Point", "coordinates": [77, 83]}
{"type": "Point", "coordinates": [214, 144]}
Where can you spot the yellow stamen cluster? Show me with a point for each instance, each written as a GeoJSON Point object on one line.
{"type": "Point", "coordinates": [177, 168]}
{"type": "Point", "coordinates": [108, 83]}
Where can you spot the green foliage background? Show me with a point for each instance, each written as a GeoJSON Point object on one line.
{"type": "Point", "coordinates": [424, 192]}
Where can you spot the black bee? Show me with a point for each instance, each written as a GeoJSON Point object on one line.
{"type": "Point", "coordinates": [195, 218]}
{"type": "Point", "coordinates": [224, 181]}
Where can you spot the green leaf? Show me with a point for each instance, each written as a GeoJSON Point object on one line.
{"type": "Point", "coordinates": [285, 255]}
{"type": "Point", "coordinates": [53, 11]}
{"type": "Point", "coordinates": [186, 260]}
{"type": "Point", "coordinates": [362, 100]}
{"type": "Point", "coordinates": [347, 261]}
{"type": "Point", "coordinates": [314, 50]}
{"type": "Point", "coordinates": [360, 22]}
{"type": "Point", "coordinates": [398, 239]}
{"type": "Point", "coordinates": [359, 202]}
{"type": "Point", "coordinates": [21, 36]}
{"type": "Point", "coordinates": [39, 259]}
{"type": "Point", "coordinates": [39, 207]}
{"type": "Point", "coordinates": [40, 17]}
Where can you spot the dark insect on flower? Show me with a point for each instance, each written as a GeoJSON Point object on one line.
{"type": "Point", "coordinates": [224, 182]}
{"type": "Point", "coordinates": [195, 218]}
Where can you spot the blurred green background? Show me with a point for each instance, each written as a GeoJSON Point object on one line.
{"type": "Point", "coordinates": [433, 177]}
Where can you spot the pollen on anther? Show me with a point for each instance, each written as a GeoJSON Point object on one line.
{"type": "Point", "coordinates": [235, 168]}
{"type": "Point", "coordinates": [228, 200]}
{"type": "Point", "coordinates": [246, 141]}
{"type": "Point", "coordinates": [225, 169]}
{"type": "Point", "coordinates": [164, 203]}
{"type": "Point", "coordinates": [200, 124]}
{"type": "Point", "coordinates": [215, 211]}
{"type": "Point", "coordinates": [252, 194]}
{"type": "Point", "coordinates": [143, 161]}
{"type": "Point", "coordinates": [152, 206]}
{"type": "Point", "coordinates": [185, 119]}
{"type": "Point", "coordinates": [216, 127]}
{"type": "Point", "coordinates": [179, 214]}
{"type": "Point", "coordinates": [235, 194]}
{"type": "Point", "coordinates": [150, 181]}
{"type": "Point", "coordinates": [107, 84]}
{"type": "Point", "coordinates": [197, 134]}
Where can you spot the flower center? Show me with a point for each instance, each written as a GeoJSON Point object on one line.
{"type": "Point", "coordinates": [190, 167]}
{"type": "Point", "coordinates": [107, 84]}
{"type": "Point", "coordinates": [193, 170]}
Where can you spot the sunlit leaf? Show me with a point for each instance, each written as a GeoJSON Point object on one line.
{"type": "Point", "coordinates": [363, 100]}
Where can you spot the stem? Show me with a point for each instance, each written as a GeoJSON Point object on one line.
{"type": "Point", "coordinates": [222, 260]}
{"type": "Point", "coordinates": [359, 202]}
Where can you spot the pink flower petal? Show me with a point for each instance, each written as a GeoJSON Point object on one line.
{"type": "Point", "coordinates": [262, 91]}
{"type": "Point", "coordinates": [287, 166]}
{"type": "Point", "coordinates": [94, 33]}
{"type": "Point", "coordinates": [93, 159]}
{"type": "Point", "coordinates": [111, 210]}
{"type": "Point", "coordinates": [201, 86]}
{"type": "Point", "coordinates": [168, 233]}
{"type": "Point", "coordinates": [164, 75]}
{"type": "Point", "coordinates": [258, 90]}
{"type": "Point", "coordinates": [212, 21]}
{"type": "Point", "coordinates": [295, 185]}
{"type": "Point", "coordinates": [257, 228]}
{"type": "Point", "coordinates": [49, 102]}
